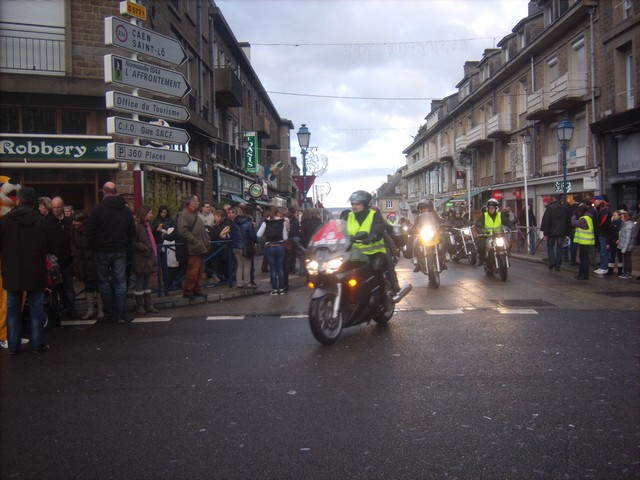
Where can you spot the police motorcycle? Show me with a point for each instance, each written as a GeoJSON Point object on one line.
{"type": "Point", "coordinates": [497, 253]}
{"type": "Point", "coordinates": [346, 290]}
{"type": "Point", "coordinates": [426, 248]}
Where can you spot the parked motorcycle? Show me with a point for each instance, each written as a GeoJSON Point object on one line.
{"type": "Point", "coordinates": [497, 254]}
{"type": "Point", "coordinates": [462, 244]}
{"type": "Point", "coordinates": [346, 291]}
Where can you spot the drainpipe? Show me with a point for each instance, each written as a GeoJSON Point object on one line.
{"type": "Point", "coordinates": [200, 94]}
{"type": "Point", "coordinates": [594, 137]}
{"type": "Point", "coordinates": [213, 112]}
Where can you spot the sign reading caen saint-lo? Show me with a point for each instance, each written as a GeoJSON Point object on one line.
{"type": "Point", "coordinates": [146, 42]}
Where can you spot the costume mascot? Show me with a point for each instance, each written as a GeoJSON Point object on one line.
{"type": "Point", "coordinates": [8, 193]}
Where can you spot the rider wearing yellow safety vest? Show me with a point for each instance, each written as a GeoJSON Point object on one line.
{"type": "Point", "coordinates": [364, 219]}
{"type": "Point", "coordinates": [490, 221]}
{"type": "Point", "coordinates": [584, 237]}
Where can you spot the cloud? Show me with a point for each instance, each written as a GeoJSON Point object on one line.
{"type": "Point", "coordinates": [398, 50]}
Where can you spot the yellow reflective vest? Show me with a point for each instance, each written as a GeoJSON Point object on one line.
{"type": "Point", "coordinates": [354, 227]}
{"type": "Point", "coordinates": [585, 236]}
{"type": "Point", "coordinates": [491, 225]}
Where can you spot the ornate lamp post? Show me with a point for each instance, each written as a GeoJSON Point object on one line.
{"type": "Point", "coordinates": [565, 132]}
{"type": "Point", "coordinates": [303, 139]}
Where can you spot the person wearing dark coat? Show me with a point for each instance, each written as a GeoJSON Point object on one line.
{"type": "Point", "coordinates": [111, 230]}
{"type": "Point", "coordinates": [84, 265]}
{"type": "Point", "coordinates": [144, 260]}
{"type": "Point", "coordinates": [310, 223]}
{"type": "Point", "coordinates": [555, 225]}
{"type": "Point", "coordinates": [61, 227]}
{"type": "Point", "coordinates": [25, 240]}
{"type": "Point", "coordinates": [243, 234]}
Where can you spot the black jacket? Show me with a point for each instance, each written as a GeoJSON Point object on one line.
{"type": "Point", "coordinates": [556, 221]}
{"type": "Point", "coordinates": [60, 237]}
{"type": "Point", "coordinates": [24, 244]}
{"type": "Point", "coordinates": [110, 227]}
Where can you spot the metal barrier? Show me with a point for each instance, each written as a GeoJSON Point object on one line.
{"type": "Point", "coordinates": [217, 248]}
{"type": "Point", "coordinates": [521, 243]}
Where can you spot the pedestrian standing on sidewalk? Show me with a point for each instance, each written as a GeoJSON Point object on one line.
{"type": "Point", "coordinates": [244, 239]}
{"type": "Point", "coordinates": [614, 251]}
{"type": "Point", "coordinates": [25, 240]}
{"type": "Point", "coordinates": [192, 229]}
{"type": "Point", "coordinates": [275, 232]}
{"type": "Point", "coordinates": [625, 243]}
{"type": "Point", "coordinates": [585, 238]}
{"type": "Point", "coordinates": [111, 230]}
{"type": "Point", "coordinates": [555, 226]}
{"type": "Point", "coordinates": [145, 260]}
{"type": "Point", "coordinates": [602, 225]}
{"type": "Point", "coordinates": [84, 265]}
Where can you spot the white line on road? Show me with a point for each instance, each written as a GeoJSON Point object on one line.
{"type": "Point", "coordinates": [294, 316]}
{"type": "Point", "coordinates": [151, 319]}
{"type": "Point", "coordinates": [525, 311]}
{"type": "Point", "coordinates": [227, 317]}
{"type": "Point", "coordinates": [78, 322]}
{"type": "Point", "coordinates": [455, 311]}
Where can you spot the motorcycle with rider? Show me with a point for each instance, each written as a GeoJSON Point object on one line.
{"type": "Point", "coordinates": [493, 240]}
{"type": "Point", "coordinates": [429, 250]}
{"type": "Point", "coordinates": [460, 239]}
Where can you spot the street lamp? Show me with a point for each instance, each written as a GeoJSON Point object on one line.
{"type": "Point", "coordinates": [303, 139]}
{"type": "Point", "coordinates": [565, 132]}
{"type": "Point", "coordinates": [526, 138]}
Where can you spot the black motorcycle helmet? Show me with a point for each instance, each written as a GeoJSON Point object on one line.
{"type": "Point", "coordinates": [360, 196]}
{"type": "Point", "coordinates": [457, 212]}
{"type": "Point", "coordinates": [425, 205]}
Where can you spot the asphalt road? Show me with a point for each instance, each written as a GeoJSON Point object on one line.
{"type": "Point", "coordinates": [459, 392]}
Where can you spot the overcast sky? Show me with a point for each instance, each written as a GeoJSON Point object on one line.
{"type": "Point", "coordinates": [361, 74]}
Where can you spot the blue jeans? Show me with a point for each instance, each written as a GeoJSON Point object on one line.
{"type": "Point", "coordinates": [275, 259]}
{"type": "Point", "coordinates": [604, 252]}
{"type": "Point", "coordinates": [14, 319]}
{"type": "Point", "coordinates": [554, 250]}
{"type": "Point", "coordinates": [111, 268]}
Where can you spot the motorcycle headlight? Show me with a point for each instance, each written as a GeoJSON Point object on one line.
{"type": "Point", "coordinates": [427, 233]}
{"type": "Point", "coordinates": [499, 242]}
{"type": "Point", "coordinates": [330, 266]}
{"type": "Point", "coordinates": [466, 231]}
{"type": "Point", "coordinates": [312, 267]}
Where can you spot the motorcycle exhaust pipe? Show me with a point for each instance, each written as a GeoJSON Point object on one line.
{"type": "Point", "coordinates": [406, 288]}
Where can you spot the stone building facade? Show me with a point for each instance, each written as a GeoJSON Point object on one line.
{"type": "Point", "coordinates": [52, 96]}
{"type": "Point", "coordinates": [565, 60]}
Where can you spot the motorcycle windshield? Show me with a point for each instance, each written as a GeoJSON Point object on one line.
{"type": "Point", "coordinates": [333, 237]}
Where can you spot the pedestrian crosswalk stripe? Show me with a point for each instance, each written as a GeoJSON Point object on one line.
{"type": "Point", "coordinates": [227, 317]}
{"type": "Point", "coordinates": [455, 311]}
{"type": "Point", "coordinates": [151, 319]}
{"type": "Point", "coordinates": [526, 311]}
{"type": "Point", "coordinates": [78, 322]}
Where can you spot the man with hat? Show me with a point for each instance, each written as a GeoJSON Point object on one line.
{"type": "Point", "coordinates": [602, 225]}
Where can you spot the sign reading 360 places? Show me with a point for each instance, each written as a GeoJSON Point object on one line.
{"type": "Point", "coordinates": [124, 71]}
{"type": "Point", "coordinates": [123, 152]}
{"type": "Point", "coordinates": [143, 41]}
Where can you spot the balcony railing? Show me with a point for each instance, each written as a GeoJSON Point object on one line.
{"type": "Point", "coordinates": [537, 105]}
{"type": "Point", "coordinates": [477, 135]}
{"type": "Point", "coordinates": [461, 142]}
{"type": "Point", "coordinates": [32, 49]}
{"type": "Point", "coordinates": [570, 88]}
{"type": "Point", "coordinates": [498, 125]}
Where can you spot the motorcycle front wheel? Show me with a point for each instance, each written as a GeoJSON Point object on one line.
{"type": "Point", "coordinates": [502, 268]}
{"type": "Point", "coordinates": [432, 272]}
{"type": "Point", "coordinates": [324, 328]}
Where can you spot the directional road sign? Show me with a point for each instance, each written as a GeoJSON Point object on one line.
{"type": "Point", "coordinates": [123, 71]}
{"type": "Point", "coordinates": [123, 152]}
{"type": "Point", "coordinates": [124, 102]}
{"type": "Point", "coordinates": [158, 133]}
{"type": "Point", "coordinates": [141, 40]}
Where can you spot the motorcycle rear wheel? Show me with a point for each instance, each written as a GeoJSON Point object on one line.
{"type": "Point", "coordinates": [389, 306]}
{"type": "Point", "coordinates": [324, 328]}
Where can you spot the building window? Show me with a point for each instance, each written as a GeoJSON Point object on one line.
{"type": "Point", "coordinates": [9, 120]}
{"type": "Point", "coordinates": [552, 69]}
{"type": "Point", "coordinates": [626, 9]}
{"type": "Point", "coordinates": [75, 121]}
{"type": "Point", "coordinates": [38, 120]}
{"type": "Point", "coordinates": [628, 77]}
{"type": "Point", "coordinates": [389, 204]}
